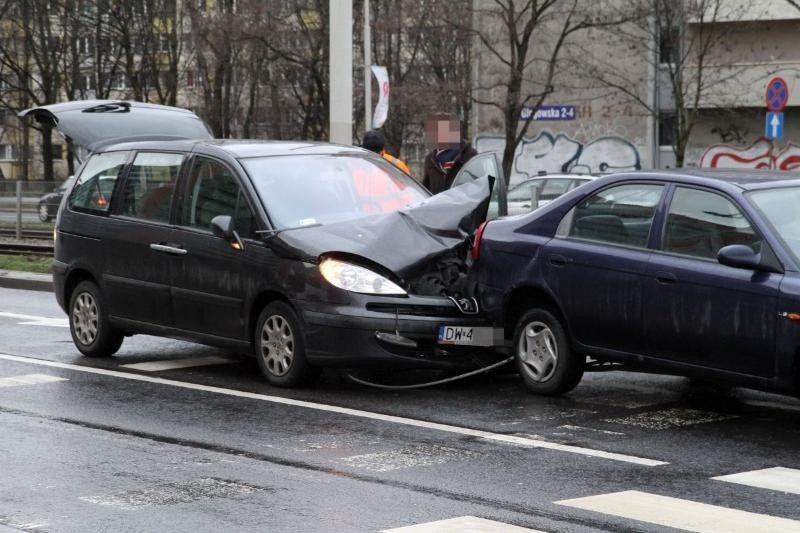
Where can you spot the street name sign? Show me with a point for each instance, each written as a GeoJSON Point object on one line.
{"type": "Point", "coordinates": [548, 112]}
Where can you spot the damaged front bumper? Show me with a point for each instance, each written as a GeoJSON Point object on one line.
{"type": "Point", "coordinates": [397, 333]}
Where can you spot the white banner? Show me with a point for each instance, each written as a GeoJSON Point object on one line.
{"type": "Point", "coordinates": [382, 108]}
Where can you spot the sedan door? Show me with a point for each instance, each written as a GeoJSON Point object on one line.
{"type": "Point", "coordinates": [596, 265]}
{"type": "Point", "coordinates": [699, 311]}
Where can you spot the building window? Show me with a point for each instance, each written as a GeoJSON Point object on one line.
{"type": "Point", "coordinates": [669, 44]}
{"type": "Point", "coordinates": [57, 151]}
{"type": "Point", "coordinates": [8, 152]}
{"type": "Point", "coordinates": [189, 79]}
{"type": "Point", "coordinates": [667, 128]}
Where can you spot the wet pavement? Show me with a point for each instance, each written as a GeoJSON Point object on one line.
{"type": "Point", "coordinates": [175, 436]}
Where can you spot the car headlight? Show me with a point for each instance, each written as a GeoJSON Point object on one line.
{"type": "Point", "coordinates": [354, 278]}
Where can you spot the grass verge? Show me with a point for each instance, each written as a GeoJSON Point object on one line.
{"type": "Point", "coordinates": [26, 263]}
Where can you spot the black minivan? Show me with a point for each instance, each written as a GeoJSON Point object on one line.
{"type": "Point", "coordinates": [304, 254]}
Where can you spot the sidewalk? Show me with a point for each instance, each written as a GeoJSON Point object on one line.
{"type": "Point", "coordinates": [13, 279]}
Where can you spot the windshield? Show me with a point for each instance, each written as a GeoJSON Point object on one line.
{"type": "Point", "coordinates": [320, 189]}
{"type": "Point", "coordinates": [779, 207]}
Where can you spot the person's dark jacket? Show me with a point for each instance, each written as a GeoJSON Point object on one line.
{"type": "Point", "coordinates": [435, 178]}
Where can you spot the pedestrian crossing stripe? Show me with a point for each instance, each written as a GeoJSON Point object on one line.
{"type": "Point", "coordinates": [682, 514]}
{"type": "Point", "coordinates": [778, 478]}
{"type": "Point", "coordinates": [172, 364]}
{"type": "Point", "coordinates": [29, 379]}
{"type": "Point", "coordinates": [463, 524]}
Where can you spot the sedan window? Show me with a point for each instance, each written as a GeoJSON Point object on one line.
{"type": "Point", "coordinates": [618, 215]}
{"type": "Point", "coordinates": [699, 223]}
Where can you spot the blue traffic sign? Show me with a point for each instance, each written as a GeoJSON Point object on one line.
{"type": "Point", "coordinates": [777, 95]}
{"type": "Point", "coordinates": [548, 112]}
{"type": "Point", "coordinates": [773, 127]}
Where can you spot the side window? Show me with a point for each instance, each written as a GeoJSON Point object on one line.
{"type": "Point", "coordinates": [213, 190]}
{"type": "Point", "coordinates": [699, 223]}
{"type": "Point", "coordinates": [96, 183]}
{"type": "Point", "coordinates": [478, 167]}
{"type": "Point", "coordinates": [554, 187]}
{"type": "Point", "coordinates": [619, 215]}
{"type": "Point", "coordinates": [150, 184]}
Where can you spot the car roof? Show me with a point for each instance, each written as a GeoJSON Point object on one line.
{"type": "Point", "coordinates": [745, 179]}
{"type": "Point", "coordinates": [243, 148]}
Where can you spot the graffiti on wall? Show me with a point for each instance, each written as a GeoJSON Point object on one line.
{"type": "Point", "coordinates": [553, 153]}
{"type": "Point", "coordinates": [761, 154]}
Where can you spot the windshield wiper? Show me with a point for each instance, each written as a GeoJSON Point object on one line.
{"type": "Point", "coordinates": [273, 232]}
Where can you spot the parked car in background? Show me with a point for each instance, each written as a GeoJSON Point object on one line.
{"type": "Point", "coordinates": [306, 255]}
{"type": "Point", "coordinates": [694, 273]}
{"type": "Point", "coordinates": [48, 203]}
{"type": "Point", "coordinates": [549, 188]}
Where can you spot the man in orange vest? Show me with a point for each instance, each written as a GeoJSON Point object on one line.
{"type": "Point", "coordinates": [375, 142]}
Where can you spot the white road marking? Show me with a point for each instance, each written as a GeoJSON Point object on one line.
{"type": "Point", "coordinates": [488, 435]}
{"type": "Point", "coordinates": [682, 514]}
{"type": "Point", "coordinates": [778, 478]}
{"type": "Point", "coordinates": [29, 379]}
{"type": "Point", "coordinates": [581, 428]}
{"type": "Point", "coordinates": [170, 364]}
{"type": "Point", "coordinates": [463, 524]}
{"type": "Point", "coordinates": [32, 320]}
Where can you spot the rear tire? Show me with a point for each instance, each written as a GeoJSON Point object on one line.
{"type": "Point", "coordinates": [280, 347]}
{"type": "Point", "coordinates": [543, 354]}
{"type": "Point", "coordinates": [91, 330]}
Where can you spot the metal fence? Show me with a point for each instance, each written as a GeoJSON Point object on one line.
{"type": "Point", "coordinates": [28, 208]}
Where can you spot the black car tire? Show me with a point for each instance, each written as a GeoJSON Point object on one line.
{"type": "Point", "coordinates": [280, 347]}
{"type": "Point", "coordinates": [91, 330]}
{"type": "Point", "coordinates": [541, 375]}
{"type": "Point", "coordinates": [44, 212]}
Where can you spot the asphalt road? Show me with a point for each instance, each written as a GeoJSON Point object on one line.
{"type": "Point", "coordinates": [97, 445]}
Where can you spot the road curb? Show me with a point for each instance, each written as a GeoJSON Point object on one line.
{"type": "Point", "coordinates": [29, 281]}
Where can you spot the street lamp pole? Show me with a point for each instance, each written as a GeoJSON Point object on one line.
{"type": "Point", "coordinates": [367, 72]}
{"type": "Point", "coordinates": [341, 71]}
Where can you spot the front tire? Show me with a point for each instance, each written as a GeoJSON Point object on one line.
{"type": "Point", "coordinates": [543, 354]}
{"type": "Point", "coordinates": [91, 330]}
{"type": "Point", "coordinates": [280, 347]}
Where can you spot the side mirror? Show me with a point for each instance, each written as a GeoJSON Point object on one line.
{"type": "Point", "coordinates": [222, 227]}
{"type": "Point", "coordinates": [739, 256]}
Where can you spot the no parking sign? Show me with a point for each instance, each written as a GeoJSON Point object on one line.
{"type": "Point", "coordinates": [777, 96]}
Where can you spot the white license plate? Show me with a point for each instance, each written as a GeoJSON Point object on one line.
{"type": "Point", "coordinates": [466, 335]}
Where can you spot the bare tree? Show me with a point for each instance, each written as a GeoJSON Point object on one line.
{"type": "Point", "coordinates": [527, 38]}
{"type": "Point", "coordinates": [682, 42]}
{"type": "Point", "coordinates": [32, 50]}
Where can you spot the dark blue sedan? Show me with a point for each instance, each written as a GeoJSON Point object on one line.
{"type": "Point", "coordinates": [694, 273]}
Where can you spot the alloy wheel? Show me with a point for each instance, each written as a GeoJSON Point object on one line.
{"type": "Point", "coordinates": [84, 318]}
{"type": "Point", "coordinates": [277, 345]}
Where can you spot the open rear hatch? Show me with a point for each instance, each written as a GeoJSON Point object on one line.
{"type": "Point", "coordinates": [92, 124]}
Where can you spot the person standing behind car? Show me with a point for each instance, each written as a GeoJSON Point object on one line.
{"type": "Point", "coordinates": [375, 142]}
{"type": "Point", "coordinates": [448, 151]}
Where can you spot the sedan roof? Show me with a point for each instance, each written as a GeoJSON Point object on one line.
{"type": "Point", "coordinates": [746, 179]}
{"type": "Point", "coordinates": [245, 148]}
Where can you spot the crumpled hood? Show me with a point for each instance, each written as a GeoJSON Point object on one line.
{"type": "Point", "coordinates": [405, 242]}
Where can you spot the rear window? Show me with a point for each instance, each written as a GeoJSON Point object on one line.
{"type": "Point", "coordinates": [322, 189]}
{"type": "Point", "coordinates": [96, 183]}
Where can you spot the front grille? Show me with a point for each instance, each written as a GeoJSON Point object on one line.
{"type": "Point", "coordinates": [415, 310]}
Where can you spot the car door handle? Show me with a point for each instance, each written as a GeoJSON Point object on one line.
{"type": "Point", "coordinates": [666, 277]}
{"type": "Point", "coordinates": [168, 248]}
{"type": "Point", "coordinates": [558, 260]}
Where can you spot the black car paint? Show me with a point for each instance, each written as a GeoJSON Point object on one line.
{"type": "Point", "coordinates": [619, 312]}
{"type": "Point", "coordinates": [214, 293]}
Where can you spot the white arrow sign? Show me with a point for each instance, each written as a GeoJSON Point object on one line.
{"type": "Point", "coordinates": [775, 123]}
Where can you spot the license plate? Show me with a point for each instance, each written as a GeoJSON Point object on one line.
{"type": "Point", "coordinates": [466, 335]}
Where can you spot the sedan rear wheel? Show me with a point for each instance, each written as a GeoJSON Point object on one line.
{"type": "Point", "coordinates": [280, 347]}
{"type": "Point", "coordinates": [543, 354]}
